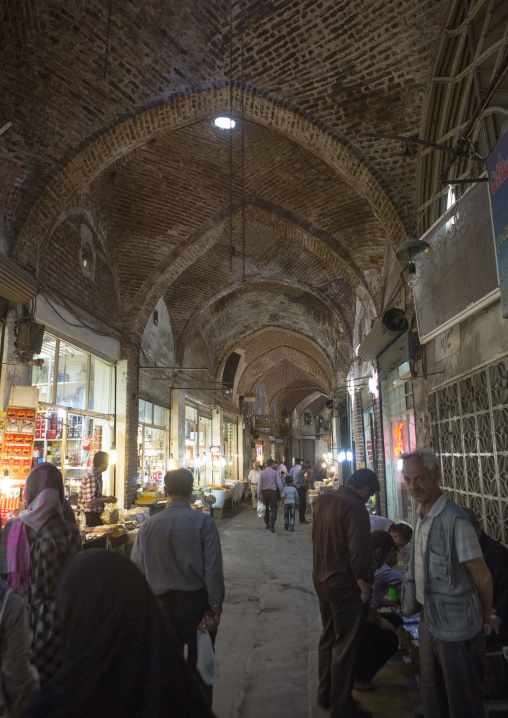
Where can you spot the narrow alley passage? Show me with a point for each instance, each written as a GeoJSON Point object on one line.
{"type": "Point", "coordinates": [268, 638]}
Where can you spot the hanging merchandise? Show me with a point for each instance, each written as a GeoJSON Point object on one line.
{"type": "Point", "coordinates": [18, 444]}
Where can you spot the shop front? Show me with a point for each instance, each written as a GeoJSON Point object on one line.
{"type": "Point", "coordinates": [152, 445]}
{"type": "Point", "coordinates": [230, 434]}
{"type": "Point", "coordinates": [204, 457]}
{"type": "Point", "coordinates": [399, 438]}
{"type": "Point", "coordinates": [75, 418]}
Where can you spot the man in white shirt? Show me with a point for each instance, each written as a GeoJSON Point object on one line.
{"type": "Point", "coordinates": [179, 553]}
{"type": "Point", "coordinates": [448, 581]}
{"type": "Point", "coordinates": [282, 468]}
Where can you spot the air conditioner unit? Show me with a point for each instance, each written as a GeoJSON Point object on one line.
{"type": "Point", "coordinates": [30, 336]}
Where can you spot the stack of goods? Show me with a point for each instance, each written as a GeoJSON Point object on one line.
{"type": "Point", "coordinates": [18, 444]}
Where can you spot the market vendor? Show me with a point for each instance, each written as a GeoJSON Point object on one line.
{"type": "Point", "coordinates": [90, 496]}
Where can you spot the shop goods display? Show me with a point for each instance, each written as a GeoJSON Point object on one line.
{"type": "Point", "coordinates": [9, 508]}
{"type": "Point", "coordinates": [18, 444]}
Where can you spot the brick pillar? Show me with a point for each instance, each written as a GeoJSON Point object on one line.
{"type": "Point", "coordinates": [177, 427]}
{"type": "Point", "coordinates": [359, 435]}
{"type": "Point", "coordinates": [127, 419]}
{"type": "Point", "coordinates": [380, 456]}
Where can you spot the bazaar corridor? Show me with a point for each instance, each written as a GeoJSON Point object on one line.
{"type": "Point", "coordinates": [268, 637]}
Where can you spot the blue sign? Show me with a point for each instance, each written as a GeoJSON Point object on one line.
{"type": "Point", "coordinates": [497, 167]}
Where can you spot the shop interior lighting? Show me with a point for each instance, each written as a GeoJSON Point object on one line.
{"type": "Point", "coordinates": [113, 456]}
{"type": "Point", "coordinates": [6, 483]}
{"type": "Point", "coordinates": [171, 463]}
{"type": "Point", "coordinates": [400, 464]}
{"type": "Point", "coordinates": [349, 455]}
{"type": "Point", "coordinates": [224, 123]}
{"type": "Point", "coordinates": [324, 464]}
{"type": "Point", "coordinates": [342, 456]}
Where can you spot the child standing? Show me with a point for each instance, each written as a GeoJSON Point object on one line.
{"type": "Point", "coordinates": [290, 503]}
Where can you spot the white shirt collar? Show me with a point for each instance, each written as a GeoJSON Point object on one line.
{"type": "Point", "coordinates": [436, 508]}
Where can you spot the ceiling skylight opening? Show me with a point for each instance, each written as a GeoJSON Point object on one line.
{"type": "Point", "coordinates": [225, 123]}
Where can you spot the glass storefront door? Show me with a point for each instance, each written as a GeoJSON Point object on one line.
{"type": "Point", "coordinates": [152, 445]}
{"type": "Point", "coordinates": [191, 440]}
{"type": "Point", "coordinates": [204, 455]}
{"type": "Point", "coordinates": [399, 437]}
{"type": "Point", "coordinates": [230, 449]}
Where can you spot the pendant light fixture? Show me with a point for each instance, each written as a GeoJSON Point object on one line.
{"type": "Point", "coordinates": [412, 249]}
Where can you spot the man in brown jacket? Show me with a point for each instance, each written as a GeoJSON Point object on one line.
{"type": "Point", "coordinates": [342, 575]}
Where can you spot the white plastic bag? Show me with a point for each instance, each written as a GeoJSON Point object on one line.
{"type": "Point", "coordinates": [207, 662]}
{"type": "Point", "coordinates": [261, 509]}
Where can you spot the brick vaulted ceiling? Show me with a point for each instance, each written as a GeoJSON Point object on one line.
{"type": "Point", "coordinates": [114, 115]}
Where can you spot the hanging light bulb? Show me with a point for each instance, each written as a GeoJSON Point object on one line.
{"type": "Point", "coordinates": [412, 279]}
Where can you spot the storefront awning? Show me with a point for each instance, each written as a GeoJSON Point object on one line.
{"type": "Point", "coordinates": [16, 284]}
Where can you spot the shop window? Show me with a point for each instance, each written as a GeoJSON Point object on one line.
{"type": "Point", "coordinates": [191, 418]}
{"type": "Point", "coordinates": [43, 376]}
{"type": "Point", "coordinates": [101, 389]}
{"type": "Point", "coordinates": [146, 412]}
{"type": "Point", "coordinates": [72, 377]}
{"type": "Point", "coordinates": [152, 445]}
{"type": "Point", "coordinates": [159, 415]}
{"type": "Point", "coordinates": [307, 418]}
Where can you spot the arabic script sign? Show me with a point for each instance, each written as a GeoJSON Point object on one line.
{"type": "Point", "coordinates": [497, 167]}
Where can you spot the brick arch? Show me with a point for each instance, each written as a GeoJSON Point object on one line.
{"type": "Point", "coordinates": [291, 396]}
{"type": "Point", "coordinates": [182, 110]}
{"type": "Point", "coordinates": [206, 310]}
{"type": "Point", "coordinates": [278, 366]}
{"type": "Point", "coordinates": [203, 238]}
{"type": "Point", "coordinates": [267, 362]}
{"type": "Point", "coordinates": [283, 376]}
{"type": "Point", "coordinates": [262, 341]}
{"type": "Point", "coordinates": [305, 403]}
{"type": "Point", "coordinates": [271, 335]}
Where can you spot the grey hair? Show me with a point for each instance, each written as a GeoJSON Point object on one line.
{"type": "Point", "coordinates": [429, 458]}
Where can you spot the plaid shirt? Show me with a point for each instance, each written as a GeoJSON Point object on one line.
{"type": "Point", "coordinates": [90, 489]}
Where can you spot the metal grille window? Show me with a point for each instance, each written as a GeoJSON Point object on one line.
{"type": "Point", "coordinates": [469, 432]}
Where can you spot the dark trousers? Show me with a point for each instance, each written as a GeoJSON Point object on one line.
{"type": "Point", "coordinates": [375, 647]}
{"type": "Point", "coordinates": [302, 497]}
{"type": "Point", "coordinates": [452, 674]}
{"type": "Point", "coordinates": [270, 499]}
{"type": "Point", "coordinates": [184, 610]}
{"type": "Point", "coordinates": [338, 645]}
{"type": "Point", "coordinates": [93, 519]}
{"type": "Point", "coordinates": [289, 517]}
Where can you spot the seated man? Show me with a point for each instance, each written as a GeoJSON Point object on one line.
{"type": "Point", "coordinates": [401, 534]}
{"type": "Point", "coordinates": [496, 558]}
{"type": "Point", "coordinates": [377, 640]}
{"type": "Point", "coordinates": [380, 523]}
{"type": "Point", "coordinates": [386, 577]}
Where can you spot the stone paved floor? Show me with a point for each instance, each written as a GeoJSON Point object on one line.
{"type": "Point", "coordinates": [267, 642]}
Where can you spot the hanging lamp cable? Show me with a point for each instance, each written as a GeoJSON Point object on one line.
{"type": "Point", "coordinates": [108, 38]}
{"type": "Point", "coordinates": [231, 244]}
{"type": "Point", "coordinates": [242, 58]}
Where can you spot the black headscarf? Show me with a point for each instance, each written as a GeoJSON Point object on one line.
{"type": "Point", "coordinates": [119, 657]}
{"type": "Point", "coordinates": [43, 476]}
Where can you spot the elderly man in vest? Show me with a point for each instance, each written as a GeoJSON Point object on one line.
{"type": "Point", "coordinates": [448, 581]}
